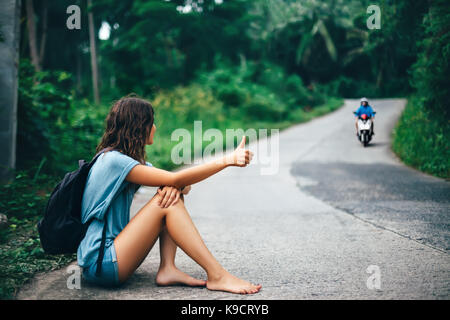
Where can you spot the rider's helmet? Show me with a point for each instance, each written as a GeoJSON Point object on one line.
{"type": "Point", "coordinates": [364, 116]}
{"type": "Point", "coordinates": [365, 100]}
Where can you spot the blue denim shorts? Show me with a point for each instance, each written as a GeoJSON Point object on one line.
{"type": "Point", "coordinates": [109, 276]}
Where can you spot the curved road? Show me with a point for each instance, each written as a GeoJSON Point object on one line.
{"type": "Point", "coordinates": [312, 230]}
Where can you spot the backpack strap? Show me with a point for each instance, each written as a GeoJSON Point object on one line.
{"type": "Point", "coordinates": [91, 163]}
{"type": "Point", "coordinates": [100, 152]}
{"type": "Point", "coordinates": [101, 252]}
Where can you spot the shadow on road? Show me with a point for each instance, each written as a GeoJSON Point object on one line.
{"type": "Point", "coordinates": [395, 197]}
{"type": "Point", "coordinates": [377, 144]}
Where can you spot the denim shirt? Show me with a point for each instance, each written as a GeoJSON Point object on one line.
{"type": "Point", "coordinates": [107, 193]}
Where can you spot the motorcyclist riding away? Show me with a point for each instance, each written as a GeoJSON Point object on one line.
{"type": "Point", "coordinates": [364, 108]}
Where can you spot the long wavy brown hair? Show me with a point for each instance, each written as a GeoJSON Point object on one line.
{"type": "Point", "coordinates": [128, 126]}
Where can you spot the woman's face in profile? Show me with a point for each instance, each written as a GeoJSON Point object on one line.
{"type": "Point", "coordinates": [152, 133]}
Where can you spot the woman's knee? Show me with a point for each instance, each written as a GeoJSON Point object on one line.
{"type": "Point", "coordinates": [157, 198]}
{"type": "Point", "coordinates": [152, 206]}
{"type": "Point", "coordinates": [177, 207]}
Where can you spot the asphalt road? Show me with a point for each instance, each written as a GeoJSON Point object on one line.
{"type": "Point", "coordinates": [312, 230]}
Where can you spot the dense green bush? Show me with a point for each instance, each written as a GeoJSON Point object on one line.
{"type": "Point", "coordinates": [289, 87]}
{"type": "Point", "coordinates": [42, 110]}
{"type": "Point", "coordinates": [349, 88]}
{"type": "Point", "coordinates": [431, 72]}
{"type": "Point", "coordinates": [54, 130]}
{"type": "Point", "coordinates": [422, 134]}
{"type": "Point", "coordinates": [262, 91]}
{"type": "Point", "coordinates": [421, 140]}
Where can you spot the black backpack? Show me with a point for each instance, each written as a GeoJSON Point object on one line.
{"type": "Point", "coordinates": [61, 230]}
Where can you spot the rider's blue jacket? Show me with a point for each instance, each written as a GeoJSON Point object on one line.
{"type": "Point", "coordinates": [365, 110]}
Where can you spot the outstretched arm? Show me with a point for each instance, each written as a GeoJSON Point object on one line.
{"type": "Point", "coordinates": [150, 176]}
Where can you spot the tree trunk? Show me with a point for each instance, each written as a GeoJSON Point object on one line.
{"type": "Point", "coordinates": [44, 32]}
{"type": "Point", "coordinates": [9, 63]}
{"type": "Point", "coordinates": [79, 72]}
{"type": "Point", "coordinates": [32, 35]}
{"type": "Point", "coordinates": [94, 65]}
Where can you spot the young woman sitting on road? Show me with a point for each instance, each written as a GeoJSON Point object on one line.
{"type": "Point", "coordinates": [109, 190]}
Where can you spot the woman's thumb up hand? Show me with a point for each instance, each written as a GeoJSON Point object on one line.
{"type": "Point", "coordinates": [241, 157]}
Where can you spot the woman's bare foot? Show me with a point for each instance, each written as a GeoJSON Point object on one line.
{"type": "Point", "coordinates": [228, 282]}
{"type": "Point", "coordinates": [169, 276]}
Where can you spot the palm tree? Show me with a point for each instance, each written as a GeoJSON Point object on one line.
{"type": "Point", "coordinates": [308, 17]}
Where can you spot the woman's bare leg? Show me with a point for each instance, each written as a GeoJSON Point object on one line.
{"type": "Point", "coordinates": [138, 237]}
{"type": "Point", "coordinates": [168, 274]}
